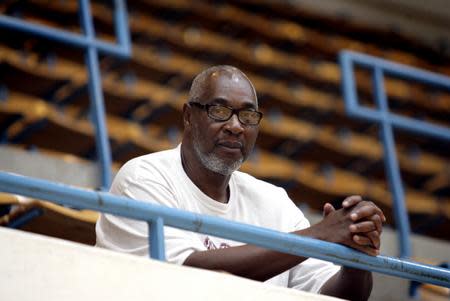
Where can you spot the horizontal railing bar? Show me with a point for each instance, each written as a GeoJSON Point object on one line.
{"type": "Point", "coordinates": [283, 242]}
{"type": "Point", "coordinates": [399, 122]}
{"type": "Point", "coordinates": [397, 69]}
{"type": "Point", "coordinates": [65, 37]}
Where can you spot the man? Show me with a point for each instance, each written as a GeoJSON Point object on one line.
{"type": "Point", "coordinates": [220, 128]}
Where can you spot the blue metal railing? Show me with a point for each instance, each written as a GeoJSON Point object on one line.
{"type": "Point", "coordinates": [157, 216]}
{"type": "Point", "coordinates": [92, 47]}
{"type": "Point", "coordinates": [388, 121]}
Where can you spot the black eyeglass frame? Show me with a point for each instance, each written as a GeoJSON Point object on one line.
{"type": "Point", "coordinates": [233, 111]}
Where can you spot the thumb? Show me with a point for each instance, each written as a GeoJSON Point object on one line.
{"type": "Point", "coordinates": [327, 209]}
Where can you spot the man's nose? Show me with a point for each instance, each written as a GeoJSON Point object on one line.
{"type": "Point", "coordinates": [234, 125]}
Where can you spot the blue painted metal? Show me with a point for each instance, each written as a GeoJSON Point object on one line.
{"type": "Point", "coordinates": [156, 239]}
{"type": "Point", "coordinates": [121, 26]}
{"type": "Point", "coordinates": [279, 241]}
{"type": "Point", "coordinates": [73, 39]}
{"type": "Point", "coordinates": [96, 97]}
{"type": "Point", "coordinates": [349, 59]}
{"type": "Point", "coordinates": [25, 218]}
{"type": "Point", "coordinates": [388, 121]}
{"type": "Point", "coordinates": [391, 164]}
{"type": "Point", "coordinates": [397, 69]}
{"type": "Point", "coordinates": [414, 286]}
{"type": "Point", "coordinates": [92, 46]}
{"type": "Point", "coordinates": [400, 122]}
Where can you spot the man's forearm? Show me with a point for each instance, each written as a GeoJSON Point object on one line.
{"type": "Point", "coordinates": [261, 264]}
{"type": "Point", "coordinates": [250, 261]}
{"type": "Point", "coordinates": [246, 261]}
{"type": "Point", "coordinates": [348, 283]}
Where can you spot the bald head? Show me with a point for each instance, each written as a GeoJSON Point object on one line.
{"type": "Point", "coordinates": [202, 82]}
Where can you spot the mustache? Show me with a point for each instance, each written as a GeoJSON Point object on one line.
{"type": "Point", "coordinates": [231, 143]}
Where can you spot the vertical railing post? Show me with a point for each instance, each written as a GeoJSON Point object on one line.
{"type": "Point", "coordinates": [121, 25]}
{"type": "Point", "coordinates": [156, 239]}
{"type": "Point", "coordinates": [97, 109]}
{"type": "Point", "coordinates": [348, 85]}
{"type": "Point", "coordinates": [92, 47]}
{"type": "Point", "coordinates": [392, 168]}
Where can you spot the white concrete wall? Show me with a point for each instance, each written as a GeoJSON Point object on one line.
{"type": "Point", "coordinates": [34, 267]}
{"type": "Point", "coordinates": [65, 169]}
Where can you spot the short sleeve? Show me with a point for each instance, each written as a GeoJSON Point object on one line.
{"type": "Point", "coordinates": [131, 236]}
{"type": "Point", "coordinates": [312, 273]}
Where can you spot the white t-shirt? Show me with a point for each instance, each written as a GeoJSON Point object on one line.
{"type": "Point", "coordinates": [160, 178]}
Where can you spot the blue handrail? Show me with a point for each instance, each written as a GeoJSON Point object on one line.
{"type": "Point", "coordinates": [92, 47]}
{"type": "Point", "coordinates": [157, 216]}
{"type": "Point", "coordinates": [388, 121]}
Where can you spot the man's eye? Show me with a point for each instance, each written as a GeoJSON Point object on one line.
{"type": "Point", "coordinates": [248, 116]}
{"type": "Point", "coordinates": [220, 111]}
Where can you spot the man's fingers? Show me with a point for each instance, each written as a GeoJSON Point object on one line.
{"type": "Point", "coordinates": [363, 227]}
{"type": "Point", "coordinates": [374, 237]}
{"type": "Point", "coordinates": [327, 209]}
{"type": "Point", "coordinates": [358, 225]}
{"type": "Point", "coordinates": [370, 224]}
{"type": "Point", "coordinates": [366, 249]}
{"type": "Point", "coordinates": [376, 219]}
{"type": "Point", "coordinates": [354, 200]}
{"type": "Point", "coordinates": [351, 201]}
{"type": "Point", "coordinates": [362, 240]}
{"type": "Point", "coordinates": [371, 239]}
{"type": "Point", "coordinates": [365, 210]}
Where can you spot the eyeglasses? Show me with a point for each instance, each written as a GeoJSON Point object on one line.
{"type": "Point", "coordinates": [220, 112]}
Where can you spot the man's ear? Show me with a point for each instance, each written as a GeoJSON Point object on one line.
{"type": "Point", "coordinates": [186, 115]}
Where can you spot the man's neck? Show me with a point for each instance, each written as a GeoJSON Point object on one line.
{"type": "Point", "coordinates": [212, 184]}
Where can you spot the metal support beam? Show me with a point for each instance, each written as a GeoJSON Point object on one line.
{"type": "Point", "coordinates": [65, 37]}
{"type": "Point", "coordinates": [156, 239]}
{"type": "Point", "coordinates": [25, 218]}
{"type": "Point", "coordinates": [92, 47]}
{"type": "Point", "coordinates": [392, 169]}
{"type": "Point", "coordinates": [389, 121]}
{"type": "Point", "coordinates": [97, 109]}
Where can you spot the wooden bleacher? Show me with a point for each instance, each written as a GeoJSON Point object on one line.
{"type": "Point", "coordinates": [55, 220]}
{"type": "Point", "coordinates": [306, 144]}
{"type": "Point", "coordinates": [142, 140]}
{"type": "Point", "coordinates": [397, 89]}
{"type": "Point", "coordinates": [355, 145]}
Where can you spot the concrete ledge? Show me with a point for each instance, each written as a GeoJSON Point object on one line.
{"type": "Point", "coordinates": [63, 168]}
{"type": "Point", "coordinates": [35, 267]}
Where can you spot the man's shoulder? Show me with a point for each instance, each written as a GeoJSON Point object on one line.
{"type": "Point", "coordinates": [150, 164]}
{"type": "Point", "coordinates": [165, 157]}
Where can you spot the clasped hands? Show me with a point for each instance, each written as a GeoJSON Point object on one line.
{"type": "Point", "coordinates": [358, 224]}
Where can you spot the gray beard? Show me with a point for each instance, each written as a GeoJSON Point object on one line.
{"type": "Point", "coordinates": [214, 163]}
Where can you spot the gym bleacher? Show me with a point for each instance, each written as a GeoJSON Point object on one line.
{"type": "Point", "coordinates": [307, 144]}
